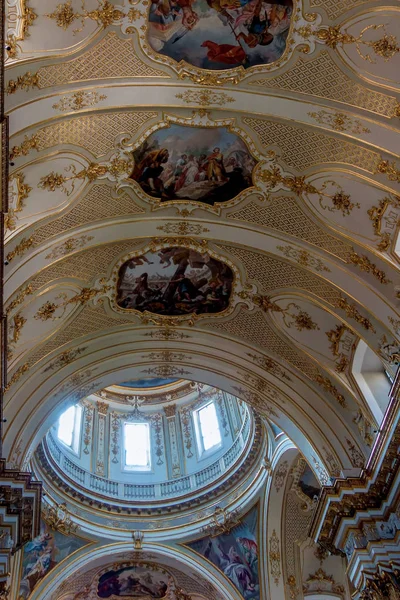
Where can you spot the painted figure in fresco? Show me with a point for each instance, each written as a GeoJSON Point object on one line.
{"type": "Point", "coordinates": [193, 163]}
{"type": "Point", "coordinates": [239, 32]}
{"type": "Point", "coordinates": [234, 568]}
{"type": "Point", "coordinates": [150, 168]}
{"type": "Point", "coordinates": [215, 169]}
{"type": "Point", "coordinates": [181, 281]}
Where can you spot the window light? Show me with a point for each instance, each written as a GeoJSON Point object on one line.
{"type": "Point", "coordinates": [69, 427]}
{"type": "Point", "coordinates": [137, 446]}
{"type": "Point", "coordinates": [209, 426]}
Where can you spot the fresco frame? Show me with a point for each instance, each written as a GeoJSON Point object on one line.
{"type": "Point", "coordinates": [239, 290]}
{"type": "Point", "coordinates": [198, 120]}
{"type": "Point", "coordinates": [211, 77]}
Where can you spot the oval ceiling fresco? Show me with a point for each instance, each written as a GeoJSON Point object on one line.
{"type": "Point", "coordinates": [220, 34]}
{"type": "Point", "coordinates": [199, 164]}
{"type": "Point", "coordinates": [174, 281]}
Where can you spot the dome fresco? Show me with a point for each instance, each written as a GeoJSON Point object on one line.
{"type": "Point", "coordinates": [147, 383]}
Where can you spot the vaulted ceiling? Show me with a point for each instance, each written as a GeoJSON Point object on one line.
{"type": "Point", "coordinates": [304, 212]}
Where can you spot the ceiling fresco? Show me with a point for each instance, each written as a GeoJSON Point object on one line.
{"type": "Point", "coordinates": [206, 191]}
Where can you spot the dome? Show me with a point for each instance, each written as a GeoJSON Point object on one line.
{"type": "Point", "coordinates": [165, 449]}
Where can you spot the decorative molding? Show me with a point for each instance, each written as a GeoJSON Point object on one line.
{"type": "Point", "coordinates": [303, 258]}
{"type": "Point", "coordinates": [389, 169]}
{"type": "Point", "coordinates": [221, 522]}
{"type": "Point", "coordinates": [280, 475]}
{"type": "Point", "coordinates": [48, 309]}
{"type": "Point", "coordinates": [275, 557]}
{"type": "Point", "coordinates": [20, 248]}
{"type": "Point", "coordinates": [78, 100]}
{"type": "Point", "coordinates": [25, 82]}
{"type": "Point", "coordinates": [270, 365]}
{"type": "Point", "coordinates": [205, 97]}
{"type": "Point", "coordinates": [339, 122]}
{"type": "Point", "coordinates": [58, 518]}
{"type": "Point", "coordinates": [329, 387]}
{"type": "Point", "coordinates": [183, 228]}
{"type": "Point", "coordinates": [69, 246]}
{"type": "Point", "coordinates": [29, 143]}
{"type": "Point", "coordinates": [363, 262]}
{"type": "Point", "coordinates": [353, 313]}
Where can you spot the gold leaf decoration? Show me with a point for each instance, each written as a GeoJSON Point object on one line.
{"type": "Point", "coordinates": [385, 47]}
{"type": "Point", "coordinates": [389, 169]}
{"type": "Point", "coordinates": [183, 228]}
{"type": "Point", "coordinates": [20, 248]}
{"type": "Point", "coordinates": [270, 365]}
{"type": "Point", "coordinates": [29, 143]}
{"type": "Point", "coordinates": [105, 15]}
{"type": "Point", "coordinates": [328, 386]}
{"type": "Point", "coordinates": [79, 100]}
{"type": "Point", "coordinates": [303, 258]}
{"type": "Point", "coordinates": [363, 262]}
{"type": "Point", "coordinates": [25, 82]}
{"type": "Point", "coordinates": [48, 309]}
{"type": "Point", "coordinates": [298, 185]}
{"type": "Point", "coordinates": [275, 557]}
{"type": "Point", "coordinates": [205, 97]}
{"type": "Point", "coordinates": [68, 246]}
{"type": "Point", "coordinates": [339, 122]}
{"type": "Point", "coordinates": [64, 359]}
{"type": "Point", "coordinates": [353, 313]}
{"type": "Point", "coordinates": [19, 298]}
{"type": "Point", "coordinates": [16, 376]}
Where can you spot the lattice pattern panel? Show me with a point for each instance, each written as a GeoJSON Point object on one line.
{"type": "Point", "coordinates": [86, 264]}
{"type": "Point", "coordinates": [270, 273]}
{"type": "Point", "coordinates": [296, 526]}
{"type": "Point", "coordinates": [96, 132]}
{"type": "Point", "coordinates": [303, 148]}
{"type": "Point", "coordinates": [112, 57]}
{"type": "Point", "coordinates": [193, 586]}
{"type": "Point", "coordinates": [95, 206]}
{"type": "Point", "coordinates": [89, 320]}
{"type": "Point", "coordinates": [75, 584]}
{"type": "Point", "coordinates": [284, 214]}
{"type": "Point", "coordinates": [335, 8]}
{"type": "Point", "coordinates": [323, 78]}
{"type": "Point", "coordinates": [253, 328]}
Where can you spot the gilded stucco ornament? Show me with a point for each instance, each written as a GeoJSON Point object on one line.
{"type": "Point", "coordinates": [205, 97]}
{"type": "Point", "coordinates": [19, 299]}
{"type": "Point", "coordinates": [105, 15]}
{"type": "Point", "coordinates": [117, 168]}
{"type": "Point", "coordinates": [388, 211]}
{"type": "Point", "coordinates": [20, 18]}
{"type": "Point", "coordinates": [20, 249]}
{"type": "Point", "coordinates": [339, 122]}
{"type": "Point", "coordinates": [353, 313]}
{"type": "Point", "coordinates": [78, 100]}
{"type": "Point", "coordinates": [270, 365]}
{"type": "Point", "coordinates": [25, 82]}
{"type": "Point", "coordinates": [58, 518]}
{"type": "Point", "coordinates": [385, 47]}
{"type": "Point", "coordinates": [275, 557]}
{"type": "Point", "coordinates": [303, 258]}
{"type": "Point", "coordinates": [70, 245]}
{"type": "Point", "coordinates": [29, 143]}
{"type": "Point", "coordinates": [49, 310]}
{"type": "Point", "coordinates": [389, 169]}
{"type": "Point", "coordinates": [364, 264]}
{"type": "Point", "coordinates": [329, 387]}
{"type": "Point", "coordinates": [275, 179]}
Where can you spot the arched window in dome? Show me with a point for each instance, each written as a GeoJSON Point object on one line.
{"type": "Point", "coordinates": [207, 428]}
{"type": "Point", "coordinates": [137, 448]}
{"type": "Point", "coordinates": [372, 378]}
{"type": "Point", "coordinates": [69, 427]}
